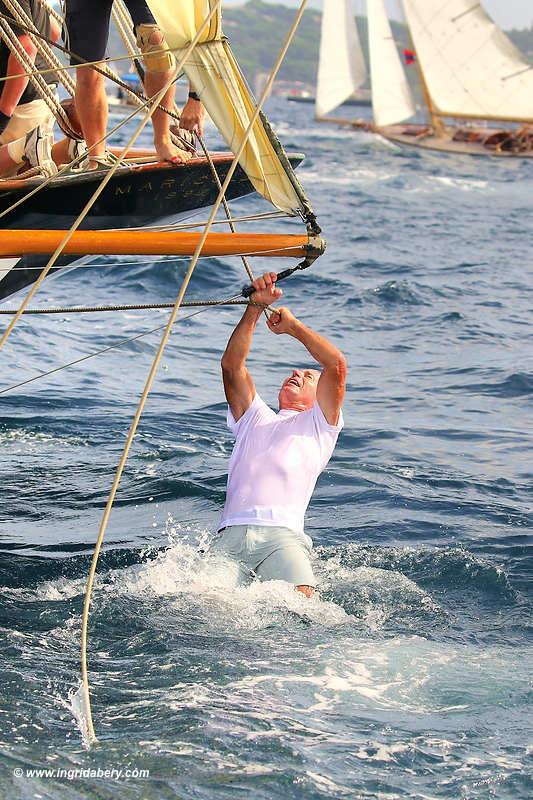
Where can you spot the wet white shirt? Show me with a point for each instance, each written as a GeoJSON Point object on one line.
{"type": "Point", "coordinates": [275, 464]}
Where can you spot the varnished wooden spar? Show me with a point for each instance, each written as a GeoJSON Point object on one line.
{"type": "Point", "coordinates": [150, 243]}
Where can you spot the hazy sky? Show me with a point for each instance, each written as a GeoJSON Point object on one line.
{"type": "Point", "coordinates": [507, 13]}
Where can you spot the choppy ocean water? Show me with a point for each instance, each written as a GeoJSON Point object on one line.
{"type": "Point", "coordinates": [408, 676]}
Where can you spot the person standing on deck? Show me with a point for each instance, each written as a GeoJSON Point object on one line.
{"type": "Point", "coordinates": [277, 458]}
{"type": "Point", "coordinates": [87, 23]}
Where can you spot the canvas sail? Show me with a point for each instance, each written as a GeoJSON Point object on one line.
{"type": "Point", "coordinates": [341, 65]}
{"type": "Point", "coordinates": [216, 77]}
{"type": "Point", "coordinates": [391, 97]}
{"type": "Point", "coordinates": [470, 66]}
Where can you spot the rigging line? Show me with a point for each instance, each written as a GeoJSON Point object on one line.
{"type": "Point", "coordinates": [98, 66]}
{"type": "Point", "coordinates": [157, 359]}
{"type": "Point", "coordinates": [22, 18]}
{"type": "Point", "coordinates": [227, 211]}
{"type": "Point", "coordinates": [131, 307]}
{"type": "Point", "coordinates": [15, 46]}
{"type": "Point", "coordinates": [67, 52]}
{"type": "Point", "coordinates": [121, 343]}
{"type": "Point", "coordinates": [155, 100]}
{"type": "Point", "coordinates": [185, 225]}
{"type": "Point", "coordinates": [68, 167]}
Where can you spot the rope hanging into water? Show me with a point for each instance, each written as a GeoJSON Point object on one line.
{"type": "Point", "coordinates": [157, 359]}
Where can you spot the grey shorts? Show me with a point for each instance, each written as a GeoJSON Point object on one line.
{"type": "Point", "coordinates": [268, 553]}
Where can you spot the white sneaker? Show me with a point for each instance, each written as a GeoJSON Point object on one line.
{"type": "Point", "coordinates": [76, 148]}
{"type": "Point", "coordinates": [38, 150]}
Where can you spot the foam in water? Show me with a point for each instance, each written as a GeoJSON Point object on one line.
{"type": "Point", "coordinates": [77, 705]}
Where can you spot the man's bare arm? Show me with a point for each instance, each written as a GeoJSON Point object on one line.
{"type": "Point", "coordinates": [332, 382]}
{"type": "Point", "coordinates": [13, 89]}
{"type": "Point", "coordinates": [238, 384]}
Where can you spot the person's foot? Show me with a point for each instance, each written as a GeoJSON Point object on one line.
{"type": "Point", "coordinates": [167, 151]}
{"type": "Point", "coordinates": [38, 150]}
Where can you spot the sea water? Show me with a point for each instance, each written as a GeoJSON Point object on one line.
{"type": "Point", "coordinates": [408, 674]}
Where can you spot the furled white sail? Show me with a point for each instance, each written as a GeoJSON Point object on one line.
{"type": "Point", "coordinates": [391, 97]}
{"type": "Point", "coordinates": [470, 67]}
{"type": "Point", "coordinates": [341, 65]}
{"type": "Point", "coordinates": [215, 75]}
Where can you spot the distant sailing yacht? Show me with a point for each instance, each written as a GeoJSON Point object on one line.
{"type": "Point", "coordinates": [341, 64]}
{"type": "Point", "coordinates": [469, 71]}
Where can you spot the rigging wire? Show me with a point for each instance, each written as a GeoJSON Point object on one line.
{"type": "Point", "coordinates": [129, 307]}
{"type": "Point", "coordinates": [64, 67]}
{"type": "Point", "coordinates": [229, 301]}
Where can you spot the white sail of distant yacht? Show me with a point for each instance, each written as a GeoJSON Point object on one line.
{"type": "Point", "coordinates": [392, 101]}
{"type": "Point", "coordinates": [471, 69]}
{"type": "Point", "coordinates": [341, 67]}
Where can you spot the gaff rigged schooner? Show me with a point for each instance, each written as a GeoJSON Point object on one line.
{"type": "Point", "coordinates": [473, 80]}
{"type": "Point", "coordinates": [193, 33]}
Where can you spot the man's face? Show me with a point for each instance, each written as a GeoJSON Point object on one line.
{"type": "Point", "coordinates": [298, 391]}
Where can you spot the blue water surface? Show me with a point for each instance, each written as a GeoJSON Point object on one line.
{"type": "Point", "coordinates": [408, 675]}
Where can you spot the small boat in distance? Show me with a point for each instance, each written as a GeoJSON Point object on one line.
{"type": "Point", "coordinates": [477, 87]}
{"type": "Point", "coordinates": [360, 98]}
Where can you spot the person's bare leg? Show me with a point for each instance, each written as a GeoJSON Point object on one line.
{"type": "Point", "coordinates": [153, 83]}
{"type": "Point", "coordinates": [7, 165]}
{"type": "Point", "coordinates": [91, 105]}
{"type": "Point", "coordinates": [307, 590]}
{"type": "Point", "coordinates": [60, 152]}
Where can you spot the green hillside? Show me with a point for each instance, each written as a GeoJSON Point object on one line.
{"type": "Point", "coordinates": [257, 30]}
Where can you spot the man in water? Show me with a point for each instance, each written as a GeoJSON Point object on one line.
{"type": "Point", "coordinates": [277, 458]}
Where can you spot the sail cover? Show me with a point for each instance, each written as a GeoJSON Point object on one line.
{"type": "Point", "coordinates": [391, 97]}
{"type": "Point", "coordinates": [215, 75]}
{"type": "Point", "coordinates": [341, 65]}
{"type": "Point", "coordinates": [470, 66]}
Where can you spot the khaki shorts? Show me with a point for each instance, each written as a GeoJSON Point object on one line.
{"type": "Point", "coordinates": [25, 118]}
{"type": "Point", "coordinates": [267, 553]}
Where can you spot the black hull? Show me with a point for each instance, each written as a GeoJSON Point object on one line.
{"type": "Point", "coordinates": [135, 197]}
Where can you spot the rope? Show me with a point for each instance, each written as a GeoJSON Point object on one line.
{"type": "Point", "coordinates": [98, 66]}
{"type": "Point", "coordinates": [43, 47]}
{"type": "Point", "coordinates": [158, 356]}
{"type": "Point", "coordinates": [38, 81]}
{"type": "Point", "coordinates": [68, 167]}
{"type": "Point", "coordinates": [133, 307]}
{"type": "Point", "coordinates": [118, 345]}
{"type": "Point", "coordinates": [105, 181]}
{"type": "Point", "coordinates": [66, 67]}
